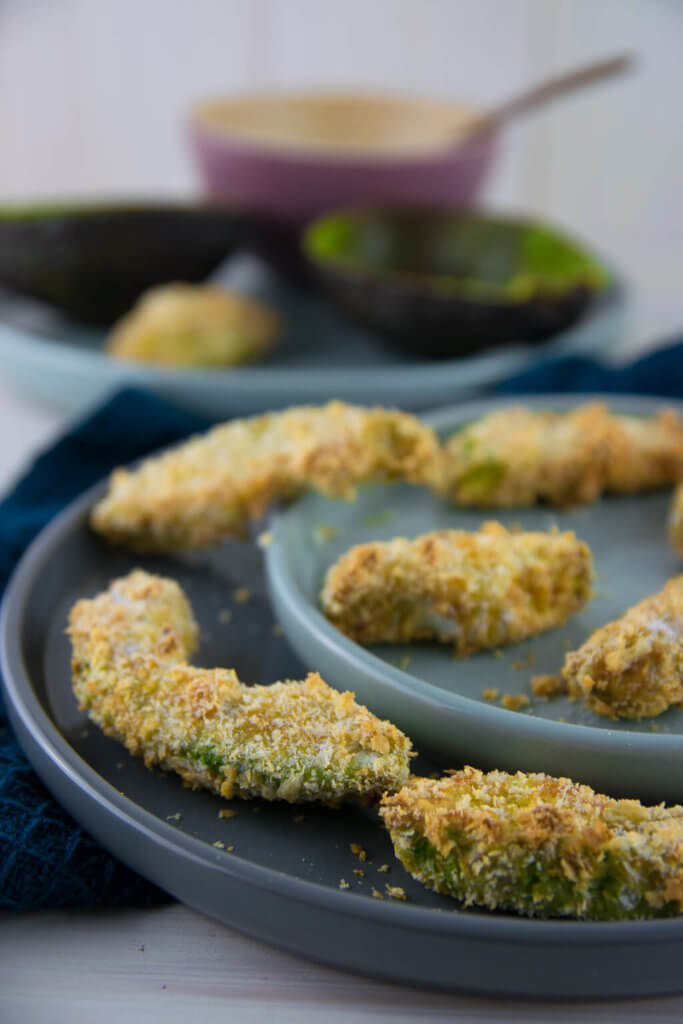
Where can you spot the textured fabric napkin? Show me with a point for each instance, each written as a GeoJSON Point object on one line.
{"type": "Point", "coordinates": [46, 859]}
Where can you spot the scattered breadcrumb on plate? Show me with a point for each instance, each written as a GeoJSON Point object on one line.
{"type": "Point", "coordinates": [514, 701]}
{"type": "Point", "coordinates": [323, 533]}
{"type": "Point", "coordinates": [548, 686]}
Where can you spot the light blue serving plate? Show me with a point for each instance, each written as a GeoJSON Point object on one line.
{"type": "Point", "coordinates": [320, 357]}
{"type": "Point", "coordinates": [438, 701]}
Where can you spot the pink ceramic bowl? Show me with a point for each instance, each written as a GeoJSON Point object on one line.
{"type": "Point", "coordinates": [294, 156]}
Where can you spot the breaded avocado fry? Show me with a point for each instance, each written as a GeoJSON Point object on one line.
{"type": "Point", "coordinates": [213, 485]}
{"type": "Point", "coordinates": [676, 520]}
{"type": "Point", "coordinates": [538, 845]}
{"type": "Point", "coordinates": [518, 456]}
{"type": "Point", "coordinates": [194, 325]}
{"type": "Point", "coordinates": [294, 741]}
{"type": "Point", "coordinates": [633, 667]}
{"type": "Point", "coordinates": [475, 590]}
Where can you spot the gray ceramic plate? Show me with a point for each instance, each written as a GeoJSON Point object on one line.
{"type": "Point", "coordinates": [320, 357]}
{"type": "Point", "coordinates": [438, 701]}
{"type": "Point", "coordinates": [280, 883]}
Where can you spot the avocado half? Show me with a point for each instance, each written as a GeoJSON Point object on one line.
{"type": "Point", "coordinates": [448, 283]}
{"type": "Point", "coordinates": [92, 261]}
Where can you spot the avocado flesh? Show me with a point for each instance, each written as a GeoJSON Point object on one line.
{"type": "Point", "coordinates": [93, 262]}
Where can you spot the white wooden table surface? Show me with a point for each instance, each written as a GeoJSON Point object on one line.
{"type": "Point", "coordinates": [175, 965]}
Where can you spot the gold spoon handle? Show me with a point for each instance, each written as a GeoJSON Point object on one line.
{"type": "Point", "coordinates": [546, 92]}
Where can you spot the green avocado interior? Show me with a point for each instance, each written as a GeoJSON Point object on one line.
{"type": "Point", "coordinates": [470, 255]}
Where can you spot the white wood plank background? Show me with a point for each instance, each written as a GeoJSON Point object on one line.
{"type": "Point", "coordinates": [93, 94]}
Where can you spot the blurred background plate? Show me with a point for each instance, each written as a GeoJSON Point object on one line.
{"type": "Point", "coordinates": [320, 357]}
{"type": "Point", "coordinates": [438, 700]}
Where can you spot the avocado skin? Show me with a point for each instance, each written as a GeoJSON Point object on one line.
{"type": "Point", "coordinates": [439, 283]}
{"type": "Point", "coordinates": [92, 263]}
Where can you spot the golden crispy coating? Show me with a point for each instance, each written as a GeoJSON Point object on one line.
{"type": "Point", "coordinates": [538, 845]}
{"type": "Point", "coordinates": [213, 485]}
{"type": "Point", "coordinates": [518, 456]}
{"type": "Point", "coordinates": [474, 590]}
{"type": "Point", "coordinates": [194, 325]}
{"type": "Point", "coordinates": [294, 741]}
{"type": "Point", "coordinates": [633, 668]}
{"type": "Point", "coordinates": [676, 520]}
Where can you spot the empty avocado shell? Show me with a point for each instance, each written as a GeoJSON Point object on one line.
{"type": "Point", "coordinates": [445, 283]}
{"type": "Point", "coordinates": [92, 261]}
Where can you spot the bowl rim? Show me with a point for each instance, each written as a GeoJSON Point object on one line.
{"type": "Point", "coordinates": [286, 591]}
{"type": "Point", "coordinates": [204, 126]}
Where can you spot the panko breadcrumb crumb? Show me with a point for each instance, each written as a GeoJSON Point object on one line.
{"type": "Point", "coordinates": [514, 701]}
{"type": "Point", "coordinates": [293, 741]}
{"type": "Point", "coordinates": [213, 485]}
{"type": "Point", "coordinates": [518, 456]}
{"type": "Point", "coordinates": [633, 667]}
{"type": "Point", "coordinates": [490, 693]}
{"type": "Point", "coordinates": [546, 685]}
{"type": "Point", "coordinates": [475, 590]}
{"type": "Point", "coordinates": [538, 845]}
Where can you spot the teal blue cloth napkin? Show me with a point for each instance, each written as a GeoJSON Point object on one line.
{"type": "Point", "coordinates": [46, 859]}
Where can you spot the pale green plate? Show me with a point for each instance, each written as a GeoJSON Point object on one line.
{"type": "Point", "coordinates": [438, 700]}
{"type": "Point", "coordinates": [319, 357]}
